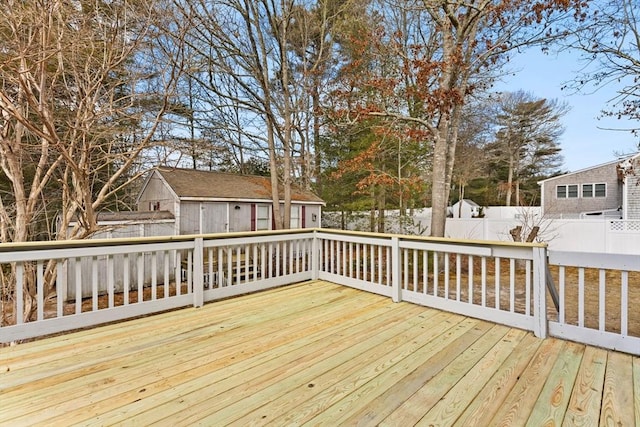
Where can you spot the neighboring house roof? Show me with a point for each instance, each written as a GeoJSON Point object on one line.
{"type": "Point", "coordinates": [134, 216]}
{"type": "Point", "coordinates": [613, 162]}
{"type": "Point", "coordinates": [191, 183]}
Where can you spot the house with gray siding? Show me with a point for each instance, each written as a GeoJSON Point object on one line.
{"type": "Point", "coordinates": [609, 190]}
{"type": "Point", "coordinates": [215, 202]}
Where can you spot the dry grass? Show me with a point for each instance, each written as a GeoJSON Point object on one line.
{"type": "Point", "coordinates": [612, 298]}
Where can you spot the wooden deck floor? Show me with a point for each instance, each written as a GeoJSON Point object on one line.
{"type": "Point", "coordinates": [317, 354]}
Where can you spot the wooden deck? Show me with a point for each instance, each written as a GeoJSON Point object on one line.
{"type": "Point", "coordinates": [318, 354]}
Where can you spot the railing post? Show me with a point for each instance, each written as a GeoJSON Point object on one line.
{"type": "Point", "coordinates": [315, 262]}
{"type": "Point", "coordinates": [198, 272]}
{"type": "Point", "coordinates": [539, 292]}
{"type": "Point", "coordinates": [396, 291]}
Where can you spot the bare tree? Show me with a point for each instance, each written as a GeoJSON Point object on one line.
{"type": "Point", "coordinates": [83, 91]}
{"type": "Point", "coordinates": [260, 62]}
{"type": "Point", "coordinates": [608, 36]}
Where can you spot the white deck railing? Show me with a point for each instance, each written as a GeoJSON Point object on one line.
{"type": "Point", "coordinates": [50, 287]}
{"type": "Point", "coordinates": [69, 285]}
{"type": "Point", "coordinates": [598, 297]}
{"type": "Point", "coordinates": [497, 281]}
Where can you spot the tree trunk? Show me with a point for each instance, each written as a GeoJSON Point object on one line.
{"type": "Point", "coordinates": [381, 207]}
{"type": "Point", "coordinates": [273, 166]}
{"type": "Point", "coordinates": [509, 184]}
{"type": "Point", "coordinates": [460, 199]}
{"type": "Point", "coordinates": [372, 215]}
{"type": "Point", "coordinates": [438, 190]}
{"type": "Point", "coordinates": [315, 96]}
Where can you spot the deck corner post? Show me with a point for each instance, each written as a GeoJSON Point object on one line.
{"type": "Point", "coordinates": [198, 272]}
{"type": "Point", "coordinates": [315, 255]}
{"type": "Point", "coordinates": [539, 291]}
{"type": "Point", "coordinates": [396, 291]}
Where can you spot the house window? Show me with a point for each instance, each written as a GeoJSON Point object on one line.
{"type": "Point", "coordinates": [263, 220]}
{"type": "Point", "coordinates": [567, 191]}
{"type": "Point", "coordinates": [154, 206]}
{"type": "Point", "coordinates": [594, 190]}
{"type": "Point", "coordinates": [295, 216]}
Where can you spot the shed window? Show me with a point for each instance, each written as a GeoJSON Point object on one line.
{"type": "Point", "coordinates": [262, 222]}
{"type": "Point", "coordinates": [295, 217]}
{"type": "Point", "coordinates": [154, 206]}
{"type": "Point", "coordinates": [567, 191]}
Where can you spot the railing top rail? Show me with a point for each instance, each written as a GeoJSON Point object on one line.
{"type": "Point", "coordinates": [625, 262]}
{"type": "Point", "coordinates": [127, 241]}
{"type": "Point", "coordinates": [30, 248]}
{"type": "Point", "coordinates": [447, 240]}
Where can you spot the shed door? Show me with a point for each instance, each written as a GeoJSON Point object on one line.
{"type": "Point", "coordinates": [239, 215]}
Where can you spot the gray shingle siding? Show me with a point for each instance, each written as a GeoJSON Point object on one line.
{"type": "Point", "coordinates": [633, 191]}
{"type": "Point", "coordinates": [605, 174]}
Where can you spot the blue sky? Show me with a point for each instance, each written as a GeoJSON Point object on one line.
{"type": "Point", "coordinates": [585, 141]}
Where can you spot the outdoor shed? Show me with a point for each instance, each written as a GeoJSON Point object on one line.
{"type": "Point", "coordinates": [465, 208]}
{"type": "Point", "coordinates": [215, 202]}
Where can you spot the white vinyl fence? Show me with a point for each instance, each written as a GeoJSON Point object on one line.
{"type": "Point", "coordinates": [561, 234]}
{"type": "Point", "coordinates": [579, 235]}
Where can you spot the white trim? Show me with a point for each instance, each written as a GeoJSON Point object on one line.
{"type": "Point", "coordinates": [144, 185]}
{"type": "Point", "coordinates": [625, 198]}
{"type": "Point", "coordinates": [625, 262]}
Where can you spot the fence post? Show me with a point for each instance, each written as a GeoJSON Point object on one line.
{"type": "Point", "coordinates": [315, 264]}
{"type": "Point", "coordinates": [396, 291]}
{"type": "Point", "coordinates": [198, 272]}
{"type": "Point", "coordinates": [539, 291]}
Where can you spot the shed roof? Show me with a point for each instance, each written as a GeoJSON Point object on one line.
{"type": "Point", "coordinates": [191, 183]}
{"type": "Point", "coordinates": [469, 202]}
{"type": "Point", "coordinates": [130, 217]}
{"type": "Point", "coordinates": [134, 216]}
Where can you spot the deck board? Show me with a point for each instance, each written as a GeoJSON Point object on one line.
{"type": "Point", "coordinates": [494, 392]}
{"type": "Point", "coordinates": [586, 399]}
{"type": "Point", "coordinates": [553, 400]}
{"type": "Point", "coordinates": [617, 396]}
{"type": "Point", "coordinates": [315, 353]}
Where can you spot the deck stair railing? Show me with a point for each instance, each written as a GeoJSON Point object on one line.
{"type": "Point", "coordinates": [50, 287]}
